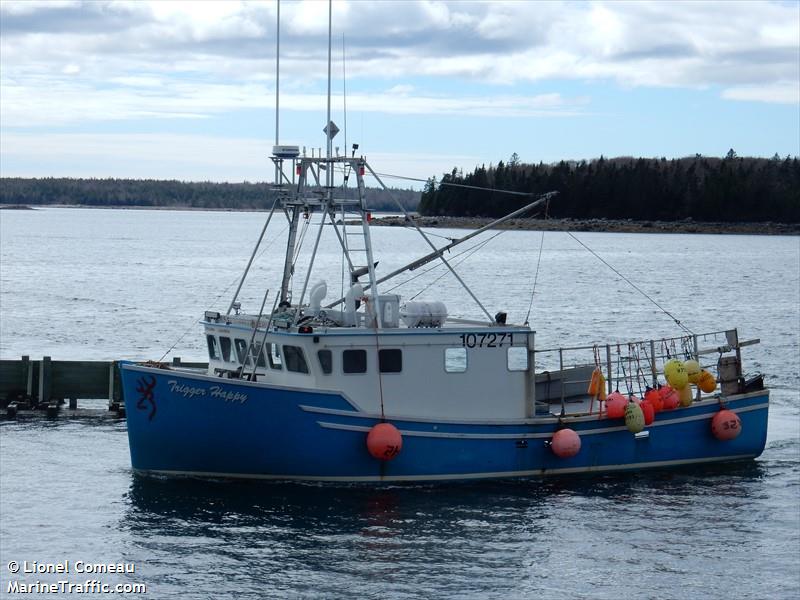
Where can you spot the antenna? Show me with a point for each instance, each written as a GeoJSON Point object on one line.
{"type": "Point", "coordinates": [277, 88]}
{"type": "Point", "coordinates": [328, 127]}
{"type": "Point", "coordinates": [344, 92]}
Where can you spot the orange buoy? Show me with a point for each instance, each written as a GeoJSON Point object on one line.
{"type": "Point", "coordinates": [648, 411]}
{"type": "Point", "coordinates": [566, 443]}
{"type": "Point", "coordinates": [615, 405]}
{"type": "Point", "coordinates": [669, 397]}
{"type": "Point", "coordinates": [594, 382]}
{"type": "Point", "coordinates": [653, 396]}
{"type": "Point", "coordinates": [726, 425]}
{"type": "Point", "coordinates": [707, 382]}
{"type": "Point", "coordinates": [384, 441]}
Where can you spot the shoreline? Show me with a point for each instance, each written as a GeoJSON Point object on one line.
{"type": "Point", "coordinates": [600, 225]}
{"type": "Point", "coordinates": [521, 224]}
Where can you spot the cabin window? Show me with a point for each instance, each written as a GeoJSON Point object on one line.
{"type": "Point", "coordinates": [213, 352]}
{"type": "Point", "coordinates": [354, 361]}
{"type": "Point", "coordinates": [225, 344]}
{"type": "Point", "coordinates": [274, 355]}
{"type": "Point", "coordinates": [241, 349]}
{"type": "Point", "coordinates": [261, 362]}
{"type": "Point", "coordinates": [325, 361]}
{"type": "Point", "coordinates": [294, 359]}
{"type": "Point", "coordinates": [517, 358]}
{"type": "Point", "coordinates": [455, 360]}
{"type": "Point", "coordinates": [390, 360]}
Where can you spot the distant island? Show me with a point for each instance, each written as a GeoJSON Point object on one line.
{"type": "Point", "coordinates": [700, 189]}
{"type": "Point", "coordinates": [699, 193]}
{"type": "Point", "coordinates": [155, 193]}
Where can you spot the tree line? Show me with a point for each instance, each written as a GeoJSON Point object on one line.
{"type": "Point", "coordinates": [168, 193]}
{"type": "Point", "coordinates": [729, 189]}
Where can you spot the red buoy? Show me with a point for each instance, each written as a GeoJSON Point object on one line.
{"type": "Point", "coordinates": [726, 425]}
{"type": "Point", "coordinates": [649, 412]}
{"type": "Point", "coordinates": [670, 398]}
{"type": "Point", "coordinates": [615, 405]}
{"type": "Point", "coordinates": [653, 396]}
{"type": "Point", "coordinates": [566, 443]}
{"type": "Point", "coordinates": [384, 441]}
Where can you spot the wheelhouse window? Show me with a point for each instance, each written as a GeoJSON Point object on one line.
{"type": "Point", "coordinates": [390, 360]}
{"type": "Point", "coordinates": [225, 344]}
{"type": "Point", "coordinates": [455, 360]}
{"type": "Point", "coordinates": [517, 358]}
{"type": "Point", "coordinates": [213, 351]}
{"type": "Point", "coordinates": [261, 361]}
{"type": "Point", "coordinates": [274, 355]}
{"type": "Point", "coordinates": [241, 349]}
{"type": "Point", "coordinates": [325, 361]}
{"type": "Point", "coordinates": [354, 361]}
{"type": "Point", "coordinates": [294, 359]}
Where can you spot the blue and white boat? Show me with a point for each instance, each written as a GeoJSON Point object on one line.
{"type": "Point", "coordinates": [371, 388]}
{"type": "Point", "coordinates": [295, 391]}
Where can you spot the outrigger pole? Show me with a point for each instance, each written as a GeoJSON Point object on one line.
{"type": "Point", "coordinates": [439, 253]}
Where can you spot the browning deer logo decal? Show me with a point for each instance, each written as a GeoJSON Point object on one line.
{"type": "Point", "coordinates": [145, 388]}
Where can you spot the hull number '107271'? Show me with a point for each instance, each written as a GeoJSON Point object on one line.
{"type": "Point", "coordinates": [487, 340]}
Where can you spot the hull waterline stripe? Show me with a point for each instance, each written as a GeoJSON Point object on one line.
{"type": "Point", "coordinates": [455, 476]}
{"type": "Point", "coordinates": [521, 435]}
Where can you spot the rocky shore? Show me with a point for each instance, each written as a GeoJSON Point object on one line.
{"type": "Point", "coordinates": [607, 225]}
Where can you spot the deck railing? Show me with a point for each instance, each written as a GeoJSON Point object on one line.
{"type": "Point", "coordinates": [564, 373]}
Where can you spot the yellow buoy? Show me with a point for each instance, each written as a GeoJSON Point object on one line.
{"type": "Point", "coordinates": [686, 395]}
{"type": "Point", "coordinates": [634, 417]}
{"type": "Point", "coordinates": [676, 374]}
{"type": "Point", "coordinates": [692, 370]}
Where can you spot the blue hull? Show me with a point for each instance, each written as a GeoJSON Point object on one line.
{"type": "Point", "coordinates": [180, 423]}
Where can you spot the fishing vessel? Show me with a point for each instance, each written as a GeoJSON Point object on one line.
{"type": "Point", "coordinates": [366, 386]}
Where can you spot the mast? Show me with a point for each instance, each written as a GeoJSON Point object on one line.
{"type": "Point", "coordinates": [287, 266]}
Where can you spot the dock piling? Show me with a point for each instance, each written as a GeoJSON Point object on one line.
{"type": "Point", "coordinates": [45, 372]}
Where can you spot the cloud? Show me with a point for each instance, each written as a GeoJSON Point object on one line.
{"type": "Point", "coordinates": [785, 92]}
{"type": "Point", "coordinates": [691, 44]}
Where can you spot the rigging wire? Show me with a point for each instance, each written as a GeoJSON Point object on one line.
{"type": "Point", "coordinates": [535, 279]}
{"type": "Point", "coordinates": [299, 247]}
{"type": "Point", "coordinates": [538, 263]}
{"type": "Point", "coordinates": [461, 185]}
{"type": "Point", "coordinates": [220, 295]}
{"type": "Point", "coordinates": [437, 265]}
{"type": "Point", "coordinates": [474, 249]}
{"type": "Point", "coordinates": [633, 285]}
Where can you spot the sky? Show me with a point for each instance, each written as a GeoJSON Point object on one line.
{"type": "Point", "coordinates": [186, 90]}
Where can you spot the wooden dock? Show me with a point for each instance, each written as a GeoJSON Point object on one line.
{"type": "Point", "coordinates": [36, 387]}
